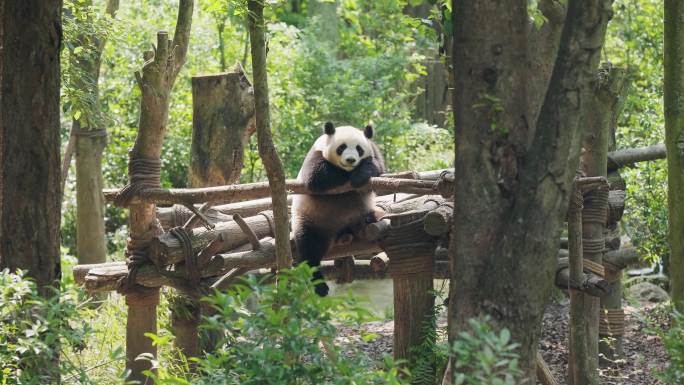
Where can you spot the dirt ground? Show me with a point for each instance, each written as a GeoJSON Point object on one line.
{"type": "Point", "coordinates": [644, 352]}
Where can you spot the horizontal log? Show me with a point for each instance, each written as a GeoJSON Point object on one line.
{"type": "Point", "coordinates": [437, 221]}
{"type": "Point", "coordinates": [166, 249]}
{"type": "Point", "coordinates": [423, 175]}
{"type": "Point", "coordinates": [591, 284]}
{"type": "Point", "coordinates": [177, 215]}
{"type": "Point", "coordinates": [630, 156]}
{"type": "Point", "coordinates": [106, 277]}
{"type": "Point", "coordinates": [622, 258]}
{"type": "Point", "coordinates": [232, 193]}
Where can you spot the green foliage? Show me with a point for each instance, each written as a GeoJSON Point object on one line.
{"type": "Point", "coordinates": [84, 27]}
{"type": "Point", "coordinates": [367, 77]}
{"type": "Point", "coordinates": [485, 357]}
{"type": "Point", "coordinates": [35, 331]}
{"type": "Point", "coordinates": [673, 340]}
{"type": "Point", "coordinates": [635, 40]}
{"type": "Point", "coordinates": [281, 341]}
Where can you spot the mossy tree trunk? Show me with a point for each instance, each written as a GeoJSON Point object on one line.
{"type": "Point", "coordinates": [30, 188]}
{"type": "Point", "coordinates": [515, 170]}
{"type": "Point", "coordinates": [674, 141]}
{"type": "Point", "coordinates": [90, 232]}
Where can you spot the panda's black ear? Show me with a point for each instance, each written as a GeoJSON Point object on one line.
{"type": "Point", "coordinates": [329, 128]}
{"type": "Point", "coordinates": [368, 131]}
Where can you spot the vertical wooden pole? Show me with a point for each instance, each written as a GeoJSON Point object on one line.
{"type": "Point", "coordinates": [141, 318]}
{"type": "Point", "coordinates": [267, 151]}
{"type": "Point", "coordinates": [674, 141]}
{"type": "Point", "coordinates": [185, 319]}
{"type": "Point", "coordinates": [155, 81]}
{"type": "Point", "coordinates": [412, 268]}
{"type": "Point", "coordinates": [578, 359]}
{"type": "Point", "coordinates": [222, 122]}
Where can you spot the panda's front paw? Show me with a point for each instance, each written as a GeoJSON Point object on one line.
{"type": "Point", "coordinates": [359, 179]}
{"type": "Point", "coordinates": [322, 289]}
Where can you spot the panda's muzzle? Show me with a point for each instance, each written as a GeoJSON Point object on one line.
{"type": "Point", "coordinates": [351, 161]}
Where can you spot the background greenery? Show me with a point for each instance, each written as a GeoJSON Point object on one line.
{"type": "Point", "coordinates": [368, 76]}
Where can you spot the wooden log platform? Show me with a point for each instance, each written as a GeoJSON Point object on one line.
{"type": "Point", "coordinates": [232, 193]}
{"type": "Point", "coordinates": [629, 156]}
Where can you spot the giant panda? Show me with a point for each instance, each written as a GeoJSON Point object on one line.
{"type": "Point", "coordinates": [342, 154]}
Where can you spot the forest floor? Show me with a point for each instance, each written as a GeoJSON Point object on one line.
{"type": "Point", "coordinates": [644, 351]}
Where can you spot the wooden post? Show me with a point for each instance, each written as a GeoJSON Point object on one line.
{"type": "Point", "coordinates": [413, 296]}
{"type": "Point", "coordinates": [612, 317]}
{"type": "Point", "coordinates": [610, 93]}
{"type": "Point", "coordinates": [578, 359]}
{"type": "Point", "coordinates": [594, 162]}
{"type": "Point", "coordinates": [222, 123]}
{"type": "Point", "coordinates": [411, 267]}
{"type": "Point", "coordinates": [267, 150]}
{"type": "Point", "coordinates": [155, 81]}
{"type": "Point", "coordinates": [142, 318]}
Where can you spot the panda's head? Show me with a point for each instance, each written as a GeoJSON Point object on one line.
{"type": "Point", "coordinates": [346, 146]}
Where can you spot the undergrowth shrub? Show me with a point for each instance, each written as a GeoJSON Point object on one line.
{"type": "Point", "coordinates": [287, 338]}
{"type": "Point", "coordinates": [673, 339]}
{"type": "Point", "coordinates": [34, 331]}
{"type": "Point", "coordinates": [484, 357]}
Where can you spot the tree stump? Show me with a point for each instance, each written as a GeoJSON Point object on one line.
{"type": "Point", "coordinates": [222, 123]}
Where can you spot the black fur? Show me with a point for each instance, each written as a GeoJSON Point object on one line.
{"type": "Point", "coordinates": [320, 175]}
{"type": "Point", "coordinates": [314, 240]}
{"type": "Point", "coordinates": [329, 128]}
{"type": "Point", "coordinates": [362, 173]}
{"type": "Point", "coordinates": [368, 131]}
{"type": "Point", "coordinates": [312, 244]}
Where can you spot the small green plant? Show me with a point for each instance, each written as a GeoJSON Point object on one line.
{"type": "Point", "coordinates": [35, 331]}
{"type": "Point", "coordinates": [287, 339]}
{"type": "Point", "coordinates": [485, 357]}
{"type": "Point", "coordinates": [673, 339]}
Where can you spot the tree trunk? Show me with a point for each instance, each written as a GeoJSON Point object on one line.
{"type": "Point", "coordinates": [90, 141]}
{"type": "Point", "coordinates": [91, 244]}
{"type": "Point", "coordinates": [223, 122]}
{"type": "Point", "coordinates": [434, 97]}
{"type": "Point", "coordinates": [267, 150]}
{"type": "Point", "coordinates": [156, 81]}
{"type": "Point", "coordinates": [674, 133]}
{"type": "Point", "coordinates": [324, 13]}
{"type": "Point", "coordinates": [30, 192]}
{"type": "Point", "coordinates": [610, 94]}
{"type": "Point", "coordinates": [30, 141]}
{"type": "Point", "coordinates": [516, 172]}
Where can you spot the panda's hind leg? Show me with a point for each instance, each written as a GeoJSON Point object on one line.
{"type": "Point", "coordinates": [312, 245]}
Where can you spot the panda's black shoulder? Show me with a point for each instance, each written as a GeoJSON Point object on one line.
{"type": "Point", "coordinates": [377, 157]}
{"type": "Point", "coordinates": [319, 175]}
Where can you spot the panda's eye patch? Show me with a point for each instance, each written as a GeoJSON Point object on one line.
{"type": "Point", "coordinates": [359, 150]}
{"type": "Point", "coordinates": [341, 149]}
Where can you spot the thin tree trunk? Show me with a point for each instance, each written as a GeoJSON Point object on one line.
{"type": "Point", "coordinates": [88, 145]}
{"type": "Point", "coordinates": [156, 81]}
{"type": "Point", "coordinates": [324, 13]}
{"type": "Point", "coordinates": [29, 139]}
{"type": "Point", "coordinates": [267, 150]}
{"type": "Point", "coordinates": [515, 173]}
{"type": "Point", "coordinates": [674, 133]}
{"type": "Point", "coordinates": [66, 159]}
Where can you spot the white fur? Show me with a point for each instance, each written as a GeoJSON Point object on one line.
{"type": "Point", "coordinates": [352, 137]}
